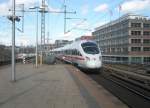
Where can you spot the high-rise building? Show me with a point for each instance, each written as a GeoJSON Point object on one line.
{"type": "Point", "coordinates": [125, 40]}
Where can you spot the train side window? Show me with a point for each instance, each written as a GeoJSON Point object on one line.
{"type": "Point", "coordinates": [65, 51]}
{"type": "Point", "coordinates": [73, 53]}
{"type": "Point", "coordinates": [79, 53]}
{"type": "Point", "coordinates": [69, 52]}
{"type": "Point", "coordinates": [76, 51]}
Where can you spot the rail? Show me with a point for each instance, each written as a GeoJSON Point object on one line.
{"type": "Point", "coordinates": [131, 89]}
{"type": "Point", "coordinates": [135, 78]}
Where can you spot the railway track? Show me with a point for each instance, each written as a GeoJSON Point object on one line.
{"type": "Point", "coordinates": [138, 69]}
{"type": "Point", "coordinates": [135, 89]}
{"type": "Point", "coordinates": [132, 77]}
{"type": "Point", "coordinates": [134, 96]}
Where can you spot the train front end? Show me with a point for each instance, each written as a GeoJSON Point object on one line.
{"type": "Point", "coordinates": [92, 55]}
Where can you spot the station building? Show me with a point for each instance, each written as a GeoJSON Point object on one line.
{"type": "Point", "coordinates": [125, 40]}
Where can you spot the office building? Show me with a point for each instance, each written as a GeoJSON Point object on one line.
{"type": "Point", "coordinates": [125, 40]}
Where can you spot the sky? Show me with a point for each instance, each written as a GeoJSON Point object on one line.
{"type": "Point", "coordinates": [89, 15]}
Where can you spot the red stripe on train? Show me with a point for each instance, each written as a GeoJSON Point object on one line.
{"type": "Point", "coordinates": [74, 58]}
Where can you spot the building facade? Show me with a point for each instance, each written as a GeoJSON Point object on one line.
{"type": "Point", "coordinates": [85, 37]}
{"type": "Point", "coordinates": [125, 40]}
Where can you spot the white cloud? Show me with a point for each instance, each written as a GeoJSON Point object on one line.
{"type": "Point", "coordinates": [84, 9]}
{"type": "Point", "coordinates": [26, 2]}
{"type": "Point", "coordinates": [5, 38]}
{"type": "Point", "coordinates": [5, 6]}
{"type": "Point", "coordinates": [68, 35]}
{"type": "Point", "coordinates": [89, 33]}
{"type": "Point", "coordinates": [101, 8]}
{"type": "Point", "coordinates": [4, 9]}
{"type": "Point", "coordinates": [81, 25]}
{"type": "Point", "coordinates": [23, 41]}
{"type": "Point", "coordinates": [4, 34]}
{"type": "Point", "coordinates": [54, 9]}
{"type": "Point", "coordinates": [135, 5]}
{"type": "Point", "coordinates": [65, 34]}
{"type": "Point", "coordinates": [100, 23]}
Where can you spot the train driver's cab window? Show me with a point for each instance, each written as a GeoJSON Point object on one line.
{"type": "Point", "coordinates": [90, 48]}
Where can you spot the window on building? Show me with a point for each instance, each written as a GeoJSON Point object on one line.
{"type": "Point", "coordinates": [146, 33]}
{"type": "Point", "coordinates": [103, 50]}
{"type": "Point", "coordinates": [112, 49]}
{"type": "Point", "coordinates": [146, 41]}
{"type": "Point", "coordinates": [146, 25]}
{"type": "Point", "coordinates": [118, 49]}
{"type": "Point", "coordinates": [136, 59]}
{"type": "Point", "coordinates": [135, 24]}
{"type": "Point", "coordinates": [135, 48]}
{"type": "Point", "coordinates": [146, 59]}
{"type": "Point", "coordinates": [135, 32]}
{"type": "Point", "coordinates": [135, 40]}
{"type": "Point", "coordinates": [125, 50]}
{"type": "Point", "coordinates": [146, 49]}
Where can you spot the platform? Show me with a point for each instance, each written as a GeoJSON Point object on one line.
{"type": "Point", "coordinates": [52, 86]}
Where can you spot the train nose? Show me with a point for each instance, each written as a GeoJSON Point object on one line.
{"type": "Point", "coordinates": [93, 64]}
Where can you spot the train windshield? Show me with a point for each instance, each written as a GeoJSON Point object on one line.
{"type": "Point", "coordinates": [90, 48]}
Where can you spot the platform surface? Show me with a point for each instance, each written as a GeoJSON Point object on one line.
{"type": "Point", "coordinates": [48, 86]}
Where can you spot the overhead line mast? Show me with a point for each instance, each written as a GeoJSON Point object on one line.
{"type": "Point", "coordinates": [43, 11]}
{"type": "Point", "coordinates": [65, 14]}
{"type": "Point", "coordinates": [65, 18]}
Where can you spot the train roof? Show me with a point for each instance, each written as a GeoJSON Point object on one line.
{"type": "Point", "coordinates": [73, 45]}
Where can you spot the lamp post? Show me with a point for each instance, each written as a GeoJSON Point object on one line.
{"type": "Point", "coordinates": [36, 62]}
{"type": "Point", "coordinates": [13, 75]}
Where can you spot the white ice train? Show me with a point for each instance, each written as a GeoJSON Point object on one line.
{"type": "Point", "coordinates": [83, 53]}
